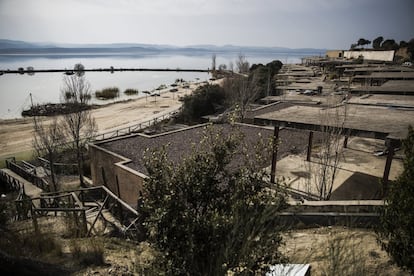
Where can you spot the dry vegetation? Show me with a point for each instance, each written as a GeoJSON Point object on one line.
{"type": "Point", "coordinates": [339, 251]}
{"type": "Point", "coordinates": [329, 250]}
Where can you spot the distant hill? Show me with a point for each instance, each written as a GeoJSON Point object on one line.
{"type": "Point", "coordinates": [23, 47]}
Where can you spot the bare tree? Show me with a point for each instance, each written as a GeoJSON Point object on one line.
{"type": "Point", "coordinates": [331, 147]}
{"type": "Point", "coordinates": [242, 64]}
{"type": "Point", "coordinates": [46, 141]}
{"type": "Point", "coordinates": [213, 63]}
{"type": "Point", "coordinates": [231, 66]}
{"type": "Point", "coordinates": [79, 124]}
{"type": "Point", "coordinates": [240, 92]}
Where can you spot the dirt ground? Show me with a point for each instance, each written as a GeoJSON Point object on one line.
{"type": "Point", "coordinates": [16, 134]}
{"type": "Point", "coordinates": [353, 250]}
{"type": "Point", "coordinates": [357, 176]}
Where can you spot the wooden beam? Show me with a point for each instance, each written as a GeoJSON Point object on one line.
{"type": "Point", "coordinates": [77, 200]}
{"type": "Point", "coordinates": [97, 216]}
{"type": "Point", "coordinates": [59, 209]}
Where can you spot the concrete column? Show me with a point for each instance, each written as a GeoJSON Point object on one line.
{"type": "Point", "coordinates": [121, 216]}
{"type": "Point", "coordinates": [387, 169]}
{"type": "Point", "coordinates": [310, 141]}
{"type": "Point", "coordinates": [274, 154]}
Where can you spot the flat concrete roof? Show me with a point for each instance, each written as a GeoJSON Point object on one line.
{"type": "Point", "coordinates": [384, 100]}
{"type": "Point", "coordinates": [396, 87]}
{"type": "Point", "coordinates": [180, 143]}
{"type": "Point", "coordinates": [361, 120]}
{"type": "Point", "coordinates": [387, 75]}
{"type": "Point", "coordinates": [380, 68]}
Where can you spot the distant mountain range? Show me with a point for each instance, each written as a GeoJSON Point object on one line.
{"type": "Point", "coordinates": [22, 47]}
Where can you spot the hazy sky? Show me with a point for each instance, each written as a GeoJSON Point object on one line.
{"type": "Point", "coordinates": [291, 23]}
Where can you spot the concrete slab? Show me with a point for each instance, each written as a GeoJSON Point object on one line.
{"type": "Point", "coordinates": [384, 100]}
{"type": "Point", "coordinates": [358, 176]}
{"type": "Point", "coordinates": [366, 121]}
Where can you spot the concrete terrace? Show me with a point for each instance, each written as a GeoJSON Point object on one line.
{"type": "Point", "coordinates": [393, 87]}
{"type": "Point", "coordinates": [365, 121]}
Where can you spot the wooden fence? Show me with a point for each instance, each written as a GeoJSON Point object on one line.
{"type": "Point", "coordinates": [79, 204]}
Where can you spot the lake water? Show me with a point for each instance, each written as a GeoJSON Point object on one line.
{"type": "Point", "coordinates": [45, 87]}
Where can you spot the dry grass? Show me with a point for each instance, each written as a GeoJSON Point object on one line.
{"type": "Point", "coordinates": [339, 251]}
{"type": "Point", "coordinates": [87, 251]}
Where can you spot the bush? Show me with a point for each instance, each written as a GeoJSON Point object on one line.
{"type": "Point", "coordinates": [131, 91]}
{"type": "Point", "coordinates": [108, 93]}
{"type": "Point", "coordinates": [205, 100]}
{"type": "Point", "coordinates": [208, 216]}
{"type": "Point", "coordinates": [396, 233]}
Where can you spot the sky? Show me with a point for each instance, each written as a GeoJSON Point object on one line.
{"type": "Point", "coordinates": [330, 24]}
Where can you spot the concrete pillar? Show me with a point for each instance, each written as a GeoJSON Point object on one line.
{"type": "Point", "coordinates": [121, 216]}
{"type": "Point", "coordinates": [274, 154]}
{"type": "Point", "coordinates": [387, 169]}
{"type": "Point", "coordinates": [310, 141]}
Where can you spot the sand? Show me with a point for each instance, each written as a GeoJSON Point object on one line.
{"type": "Point", "coordinates": [16, 134]}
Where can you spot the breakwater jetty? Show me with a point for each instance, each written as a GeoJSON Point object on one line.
{"type": "Point", "coordinates": [111, 70]}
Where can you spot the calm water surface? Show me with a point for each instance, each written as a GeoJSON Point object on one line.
{"type": "Point", "coordinates": [45, 87]}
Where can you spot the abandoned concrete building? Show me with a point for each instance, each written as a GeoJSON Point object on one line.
{"type": "Point", "coordinates": [119, 163]}
{"type": "Point", "coordinates": [373, 119]}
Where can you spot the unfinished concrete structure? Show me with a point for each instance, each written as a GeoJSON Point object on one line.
{"type": "Point", "coordinates": [118, 163]}
{"type": "Point", "coordinates": [384, 123]}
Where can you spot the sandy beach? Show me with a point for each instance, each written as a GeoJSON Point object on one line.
{"type": "Point", "coordinates": [16, 134]}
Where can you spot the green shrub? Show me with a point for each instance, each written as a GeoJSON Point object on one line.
{"type": "Point", "coordinates": [131, 91]}
{"type": "Point", "coordinates": [108, 93]}
{"type": "Point", "coordinates": [396, 232]}
{"type": "Point", "coordinates": [207, 217]}
{"type": "Point", "coordinates": [205, 100]}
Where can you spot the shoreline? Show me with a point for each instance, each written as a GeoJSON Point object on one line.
{"type": "Point", "coordinates": [109, 102]}
{"type": "Point", "coordinates": [16, 134]}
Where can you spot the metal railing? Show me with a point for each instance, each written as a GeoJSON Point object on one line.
{"type": "Point", "coordinates": [134, 128]}
{"type": "Point", "coordinates": [12, 183]}
{"type": "Point", "coordinates": [36, 180]}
